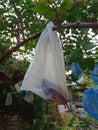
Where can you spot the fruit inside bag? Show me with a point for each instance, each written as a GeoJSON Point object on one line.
{"type": "Point", "coordinates": [51, 93]}
{"type": "Point", "coordinates": [46, 74]}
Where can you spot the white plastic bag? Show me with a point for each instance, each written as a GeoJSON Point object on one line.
{"type": "Point", "coordinates": [29, 98]}
{"type": "Point", "coordinates": [18, 85]}
{"type": "Point", "coordinates": [9, 99]}
{"type": "Point", "coordinates": [46, 74]}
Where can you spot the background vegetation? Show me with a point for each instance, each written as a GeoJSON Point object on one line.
{"type": "Point", "coordinates": [21, 23]}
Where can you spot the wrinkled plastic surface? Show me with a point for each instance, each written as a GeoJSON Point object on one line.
{"type": "Point", "coordinates": [76, 70]}
{"type": "Point", "coordinates": [9, 99]}
{"type": "Point", "coordinates": [90, 102]}
{"type": "Point", "coordinates": [18, 85]}
{"type": "Point", "coordinates": [29, 97]}
{"type": "Point", "coordinates": [46, 72]}
{"type": "Point", "coordinates": [94, 74]}
{"type": "Point", "coordinates": [23, 92]}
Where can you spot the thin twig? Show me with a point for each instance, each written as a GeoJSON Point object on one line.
{"type": "Point", "coordinates": [56, 11]}
{"type": "Point", "coordinates": [16, 47]}
{"type": "Point", "coordinates": [93, 25]}
{"type": "Point", "coordinates": [34, 36]}
{"type": "Point", "coordinates": [80, 118]}
{"type": "Point", "coordinates": [19, 17]}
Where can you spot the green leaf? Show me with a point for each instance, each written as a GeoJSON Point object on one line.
{"type": "Point", "coordinates": [76, 54]}
{"type": "Point", "coordinates": [39, 0]}
{"type": "Point", "coordinates": [65, 7]}
{"type": "Point", "coordinates": [44, 9]}
{"type": "Point", "coordinates": [90, 63]}
{"type": "Point", "coordinates": [87, 63]}
{"type": "Point", "coordinates": [74, 77]}
{"type": "Point", "coordinates": [88, 46]}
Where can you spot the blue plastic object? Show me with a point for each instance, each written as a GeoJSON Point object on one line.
{"type": "Point", "coordinates": [94, 74]}
{"type": "Point", "coordinates": [90, 102]}
{"type": "Point", "coordinates": [76, 70]}
{"type": "Point", "coordinates": [24, 93]}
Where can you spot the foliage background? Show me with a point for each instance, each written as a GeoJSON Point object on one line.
{"type": "Point", "coordinates": [20, 19]}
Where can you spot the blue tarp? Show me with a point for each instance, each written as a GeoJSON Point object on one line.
{"type": "Point", "coordinates": [76, 70]}
{"type": "Point", "coordinates": [94, 74]}
{"type": "Point", "coordinates": [90, 102]}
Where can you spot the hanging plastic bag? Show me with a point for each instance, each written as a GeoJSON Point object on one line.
{"type": "Point", "coordinates": [90, 98]}
{"type": "Point", "coordinates": [46, 73]}
{"type": "Point", "coordinates": [76, 70]}
{"type": "Point", "coordinates": [90, 102]}
{"type": "Point", "coordinates": [94, 74]}
{"type": "Point", "coordinates": [29, 97]}
{"type": "Point", "coordinates": [9, 99]}
{"type": "Point", "coordinates": [17, 86]}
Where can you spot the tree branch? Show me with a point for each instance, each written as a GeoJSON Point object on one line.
{"type": "Point", "coordinates": [34, 36]}
{"type": "Point", "coordinates": [19, 17]}
{"type": "Point", "coordinates": [93, 25]}
{"type": "Point", "coordinates": [15, 48]}
{"type": "Point", "coordinates": [6, 79]}
{"type": "Point", "coordinates": [56, 11]}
